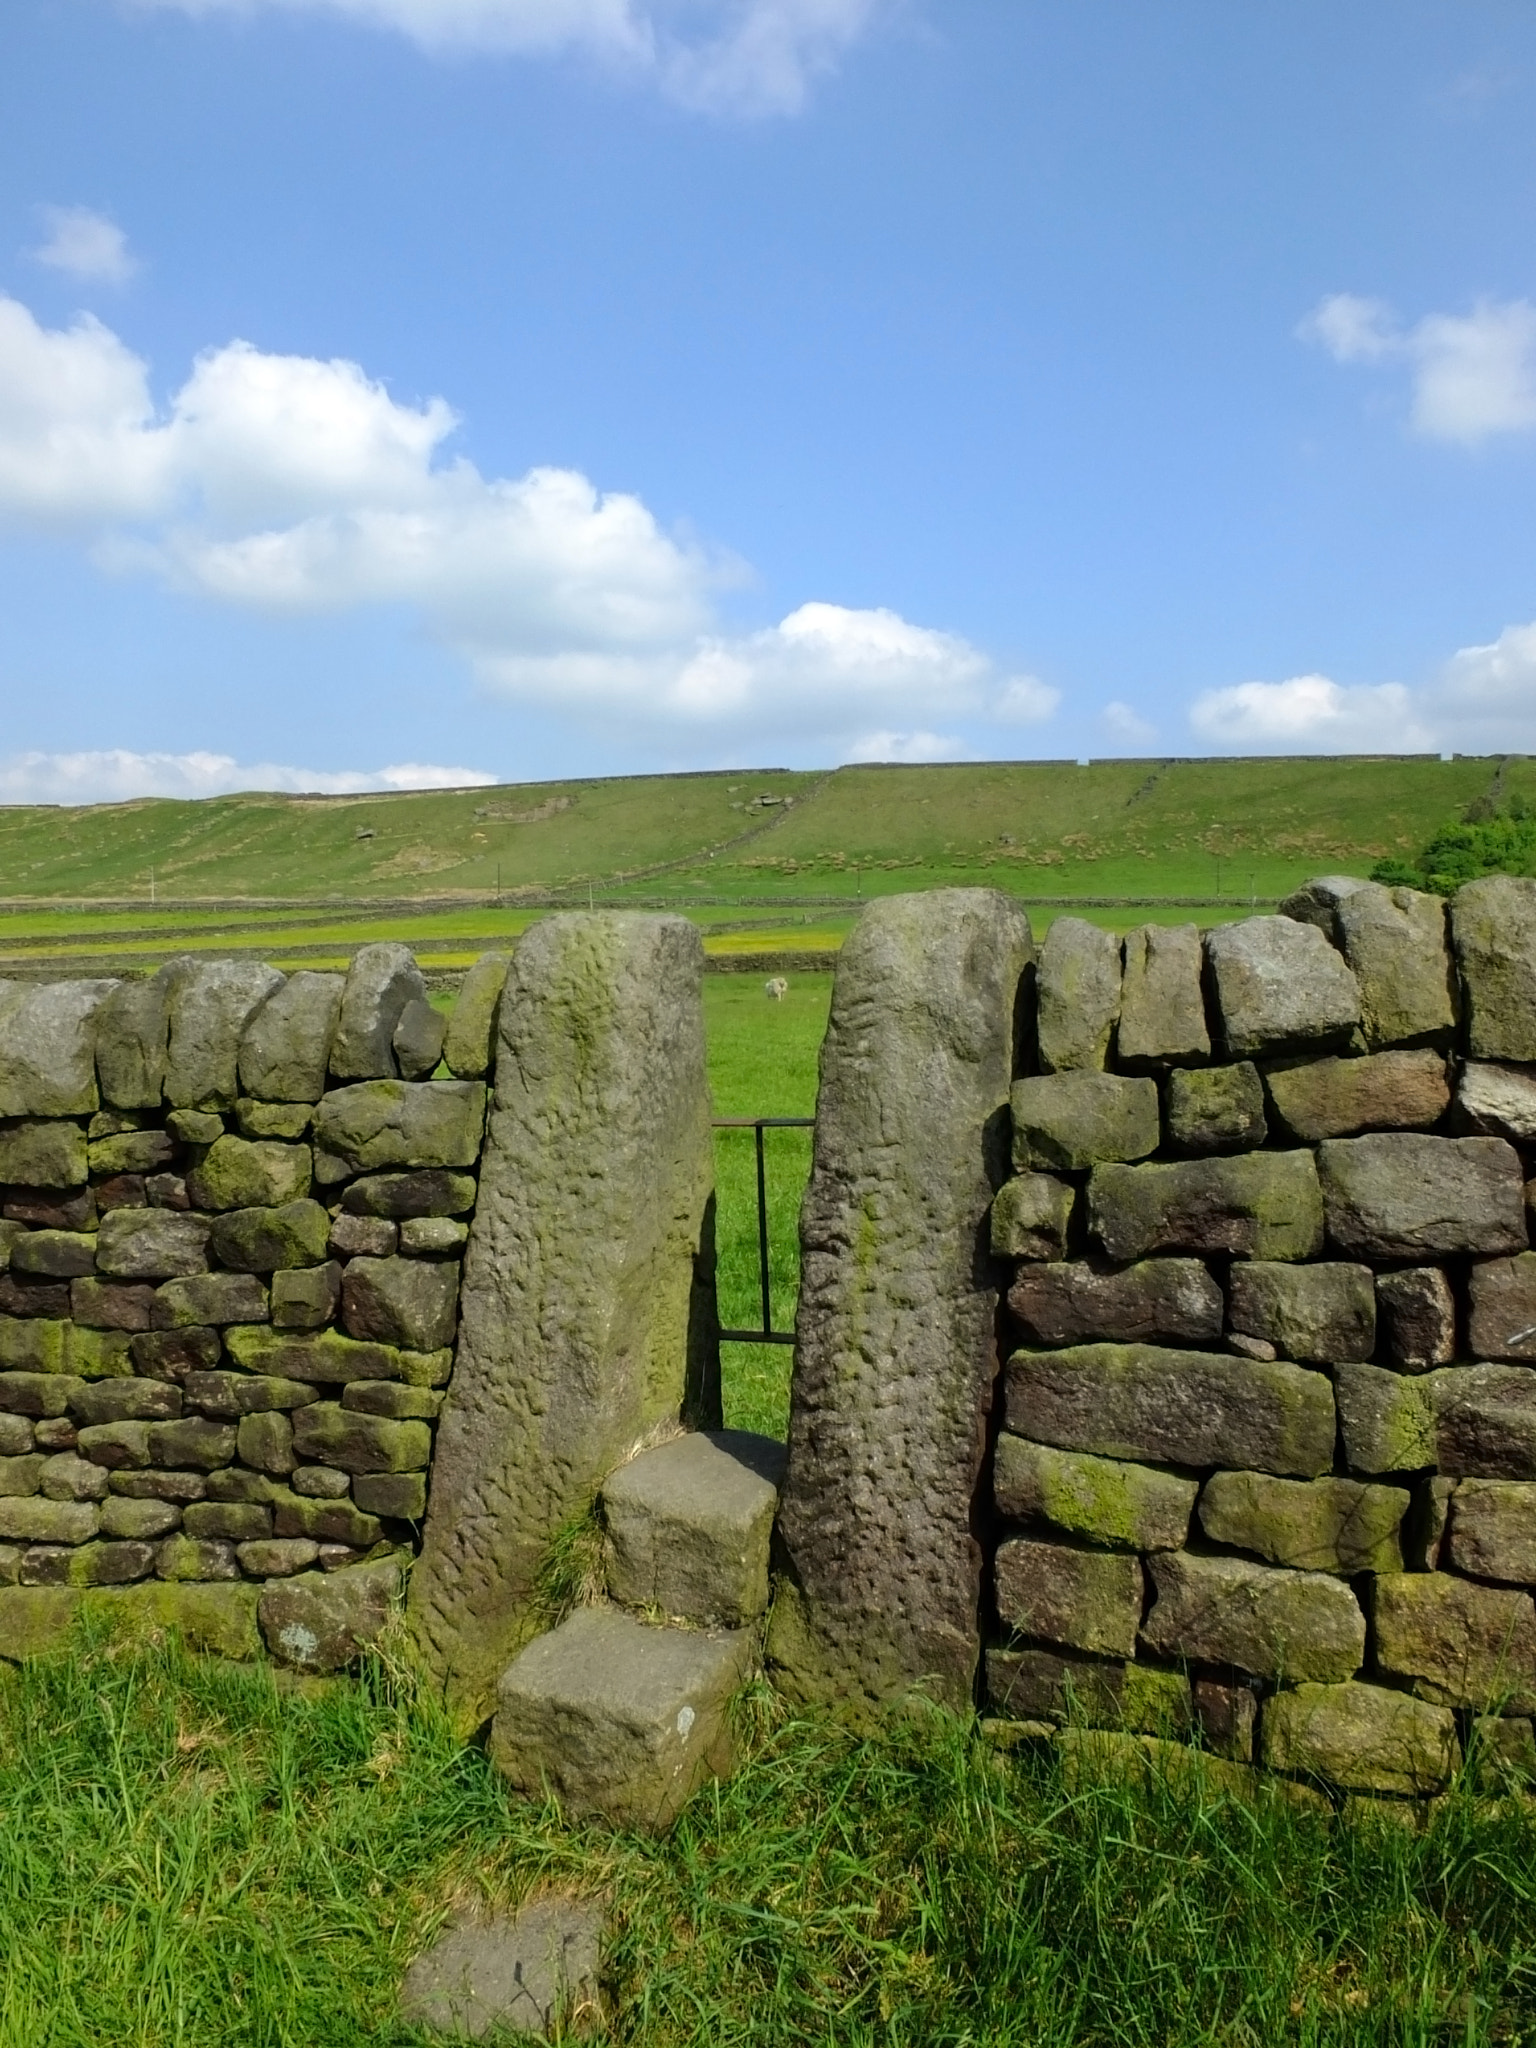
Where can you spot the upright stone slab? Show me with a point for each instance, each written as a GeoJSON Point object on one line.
{"type": "Point", "coordinates": [48, 1047]}
{"type": "Point", "coordinates": [1493, 928]}
{"type": "Point", "coordinates": [1078, 995]}
{"type": "Point", "coordinates": [1162, 1009]}
{"type": "Point", "coordinates": [896, 1336]}
{"type": "Point", "coordinates": [587, 1316]}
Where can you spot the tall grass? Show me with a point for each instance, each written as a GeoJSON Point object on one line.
{"type": "Point", "coordinates": [190, 1855]}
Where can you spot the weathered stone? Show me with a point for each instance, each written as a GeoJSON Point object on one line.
{"type": "Point", "coordinates": [1060, 1685]}
{"type": "Point", "coordinates": [201, 1127]}
{"type": "Point", "coordinates": [1215, 1109]}
{"type": "Point", "coordinates": [418, 1039]}
{"type": "Point", "coordinates": [1150, 1763]}
{"type": "Point", "coordinates": [308, 1298]}
{"type": "Point", "coordinates": [89, 1564]}
{"type": "Point", "coordinates": [166, 1191]}
{"type": "Point", "coordinates": [55, 1254]}
{"type": "Point", "coordinates": [401, 1195]}
{"type": "Point", "coordinates": [1395, 941]}
{"type": "Point", "coordinates": [1400, 1196]}
{"type": "Point", "coordinates": [325, 1622]}
{"type": "Point", "coordinates": [1360, 1738]}
{"type": "Point", "coordinates": [1493, 930]}
{"type": "Point", "coordinates": [1322, 1312]}
{"type": "Point", "coordinates": [211, 1002]}
{"type": "Point", "coordinates": [400, 1496]}
{"type": "Point", "coordinates": [1484, 1419]}
{"type": "Point", "coordinates": [1075, 1119]}
{"type": "Point", "coordinates": [1317, 1525]}
{"type": "Point", "coordinates": [36, 1621]}
{"type": "Point", "coordinates": [1503, 1751]}
{"type": "Point", "coordinates": [39, 1153]}
{"type": "Point", "coordinates": [406, 1302]}
{"type": "Point", "coordinates": [277, 1557]}
{"type": "Point", "coordinates": [527, 1974]}
{"type": "Point", "coordinates": [1228, 1715]}
{"type": "Point", "coordinates": [1334, 1098]}
{"type": "Point", "coordinates": [327, 1356]}
{"type": "Point", "coordinates": [420, 1124]}
{"type": "Point", "coordinates": [1460, 1645]}
{"type": "Point", "coordinates": [382, 980]}
{"type": "Point", "coordinates": [1260, 1205]}
{"type": "Point", "coordinates": [196, 1557]}
{"type": "Point", "coordinates": [1417, 1314]}
{"type": "Point", "coordinates": [597, 1189]}
{"type": "Point", "coordinates": [68, 1477]}
{"type": "Point", "coordinates": [21, 1476]}
{"type": "Point", "coordinates": [617, 1718]}
{"type": "Point", "coordinates": [433, 1237]}
{"type": "Point", "coordinates": [131, 1152]}
{"type": "Point", "coordinates": [105, 1305]}
{"type": "Point", "coordinates": [33, 1347]}
{"type": "Point", "coordinates": [897, 1319]}
{"type": "Point", "coordinates": [15, 1435]}
{"type": "Point", "coordinates": [1172, 1301]}
{"type": "Point", "coordinates": [325, 1521]}
{"type": "Point", "coordinates": [265, 1240]}
{"type": "Point", "coordinates": [370, 1236]}
{"type": "Point", "coordinates": [121, 1191]}
{"type": "Point", "coordinates": [265, 1441]}
{"type": "Point", "coordinates": [385, 1397]}
{"type": "Point", "coordinates": [1273, 1624]}
{"type": "Point", "coordinates": [233, 1394]}
{"type": "Point", "coordinates": [47, 1393]}
{"type": "Point", "coordinates": [211, 1300]}
{"type": "Point", "coordinates": [235, 1483]}
{"type": "Point", "coordinates": [32, 1519]}
{"type": "Point", "coordinates": [286, 1046]}
{"type": "Point", "coordinates": [23, 1296]}
{"type": "Point", "coordinates": [329, 1434]}
{"type": "Point", "coordinates": [172, 1354]}
{"type": "Point", "coordinates": [176, 1486]}
{"type": "Point", "coordinates": [1030, 1215]}
{"type": "Point", "coordinates": [470, 1047]}
{"type": "Point", "coordinates": [1425, 1523]}
{"type": "Point", "coordinates": [138, 1521]}
{"type": "Point", "coordinates": [1503, 1321]}
{"type": "Point", "coordinates": [1279, 985]}
{"type": "Point", "coordinates": [48, 1047]}
{"type": "Point", "coordinates": [217, 1619]}
{"type": "Point", "coordinates": [132, 1027]}
{"type": "Point", "coordinates": [239, 1174]}
{"type": "Point", "coordinates": [1386, 1420]}
{"type": "Point", "coordinates": [1499, 1102]}
{"type": "Point", "coordinates": [193, 1441]}
{"type": "Point", "coordinates": [1173, 1407]}
{"type": "Point", "coordinates": [152, 1244]}
{"type": "Point", "coordinates": [97, 1354]}
{"type": "Point", "coordinates": [117, 1444]}
{"type": "Point", "coordinates": [235, 1521]}
{"type": "Point", "coordinates": [321, 1482]}
{"type": "Point", "coordinates": [1493, 1530]}
{"type": "Point", "coordinates": [1124, 1506]}
{"type": "Point", "coordinates": [286, 1120]}
{"type": "Point", "coordinates": [1162, 1009]}
{"type": "Point", "coordinates": [1317, 901]}
{"type": "Point", "coordinates": [688, 1526]}
{"type": "Point", "coordinates": [50, 1209]}
{"type": "Point", "coordinates": [127, 1400]}
{"type": "Point", "coordinates": [1077, 994]}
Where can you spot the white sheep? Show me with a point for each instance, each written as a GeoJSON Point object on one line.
{"type": "Point", "coordinates": [776, 988]}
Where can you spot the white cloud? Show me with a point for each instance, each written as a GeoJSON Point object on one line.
{"type": "Point", "coordinates": [1313, 714]}
{"type": "Point", "coordinates": [1126, 726]}
{"type": "Point", "coordinates": [907, 747]}
{"type": "Point", "coordinates": [1474, 374]}
{"type": "Point", "coordinates": [84, 244]}
{"type": "Point", "coordinates": [742, 57]}
{"type": "Point", "coordinates": [116, 774]}
{"type": "Point", "coordinates": [283, 484]}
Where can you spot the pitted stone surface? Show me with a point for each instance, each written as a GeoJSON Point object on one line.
{"type": "Point", "coordinates": [1077, 993]}
{"type": "Point", "coordinates": [287, 1044]}
{"type": "Point", "coordinates": [587, 1316]}
{"type": "Point", "coordinates": [1167, 1301]}
{"type": "Point", "coordinates": [525, 1974]}
{"type": "Point", "coordinates": [48, 1047]}
{"type": "Point", "coordinates": [211, 1002]}
{"type": "Point", "coordinates": [381, 981]}
{"type": "Point", "coordinates": [896, 1333]}
{"type": "Point", "coordinates": [1279, 985]}
{"type": "Point", "coordinates": [1162, 1009]}
{"type": "Point", "coordinates": [1215, 1109]}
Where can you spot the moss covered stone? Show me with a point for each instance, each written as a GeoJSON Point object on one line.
{"type": "Point", "coordinates": [245, 1173]}
{"type": "Point", "coordinates": [42, 1153]}
{"type": "Point", "coordinates": [1261, 1205]}
{"type": "Point", "coordinates": [382, 1124]}
{"type": "Point", "coordinates": [1277, 1624]}
{"type": "Point", "coordinates": [1215, 1109]}
{"type": "Point", "coordinates": [1319, 1525]}
{"type": "Point", "coordinates": [265, 1240]}
{"type": "Point", "coordinates": [329, 1357]}
{"type": "Point", "coordinates": [1360, 1738]}
{"type": "Point", "coordinates": [1125, 1506]}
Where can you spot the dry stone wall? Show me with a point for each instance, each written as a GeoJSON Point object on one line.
{"type": "Point", "coordinates": [232, 1212]}
{"type": "Point", "coordinates": [1265, 1471]}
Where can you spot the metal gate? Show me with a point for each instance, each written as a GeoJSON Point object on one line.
{"type": "Point", "coordinates": [757, 1125]}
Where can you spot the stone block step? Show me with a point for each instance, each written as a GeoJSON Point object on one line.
{"type": "Point", "coordinates": [689, 1525]}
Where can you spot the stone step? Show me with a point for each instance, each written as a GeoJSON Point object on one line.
{"type": "Point", "coordinates": [689, 1525]}
{"type": "Point", "coordinates": [617, 1717]}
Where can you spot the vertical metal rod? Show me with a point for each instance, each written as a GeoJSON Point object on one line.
{"type": "Point", "coordinates": [762, 1230]}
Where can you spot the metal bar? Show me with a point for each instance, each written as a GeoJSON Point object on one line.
{"type": "Point", "coordinates": [762, 1235]}
{"type": "Point", "coordinates": [763, 1123]}
{"type": "Point", "coordinates": [757, 1125]}
{"type": "Point", "coordinates": [756, 1337]}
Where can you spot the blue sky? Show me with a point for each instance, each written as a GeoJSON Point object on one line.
{"type": "Point", "coordinates": [425, 390]}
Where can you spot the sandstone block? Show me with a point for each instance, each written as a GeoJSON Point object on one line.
{"type": "Point", "coordinates": [170, 1486]}
{"type": "Point", "coordinates": [217, 1619]}
{"type": "Point", "coordinates": [1498, 1101]}
{"type": "Point", "coordinates": [286, 1046]}
{"type": "Point", "coordinates": [230, 1395]}
{"type": "Point", "coordinates": [68, 1477]}
{"type": "Point", "coordinates": [1402, 1196]}
{"type": "Point", "coordinates": [21, 1475]}
{"type": "Point", "coordinates": [152, 1244]}
{"type": "Point", "coordinates": [48, 1047]}
{"type": "Point", "coordinates": [1174, 1407]}
{"type": "Point", "coordinates": [233, 1521]}
{"type": "Point", "coordinates": [324, 1521]}
{"type": "Point", "coordinates": [1323, 1312]}
{"type": "Point", "coordinates": [195, 1126]}
{"type": "Point", "coordinates": [106, 1305]}
{"type": "Point", "coordinates": [211, 1002]}
{"type": "Point", "coordinates": [1215, 1109]}
{"type": "Point", "coordinates": [617, 1718]}
{"type": "Point", "coordinates": [1493, 931]}
{"type": "Point", "coordinates": [402, 1195]}
{"type": "Point", "coordinates": [267, 1240]}
{"type": "Point", "coordinates": [321, 1482]}
{"type": "Point", "coordinates": [210, 1300]}
{"type": "Point", "coordinates": [1275, 1624]}
{"type": "Point", "coordinates": [172, 1354]}
{"type": "Point", "coordinates": [1484, 1420]}
{"type": "Point", "coordinates": [470, 1046]}
{"type": "Point", "coordinates": [26, 1297]}
{"type": "Point", "coordinates": [1279, 985]}
{"type": "Point", "coordinates": [380, 983]}
{"type": "Point", "coordinates": [1085, 1599]}
{"type": "Point", "coordinates": [1503, 1751]}
{"type": "Point", "coordinates": [1361, 1738]}
{"type": "Point", "coordinates": [126, 1400]}
{"type": "Point", "coordinates": [1386, 1420]}
{"type": "Point", "coordinates": [1334, 1098]}
{"type": "Point", "coordinates": [193, 1441]}
{"type": "Point", "coordinates": [306, 1299]}
{"type": "Point", "coordinates": [411, 1303]}
{"type": "Point", "coordinates": [55, 1254]}
{"type": "Point", "coordinates": [1030, 1214]}
{"type": "Point", "coordinates": [1228, 1715]}
{"type": "Point", "coordinates": [1260, 1205]}
{"type": "Point", "coordinates": [181, 1557]}
{"type": "Point", "coordinates": [116, 1444]}
{"type": "Point", "coordinates": [38, 1393]}
{"type": "Point", "coordinates": [688, 1526]}
{"type": "Point", "coordinates": [1075, 1119]}
{"type": "Point", "coordinates": [897, 1325]}
{"type": "Point", "coordinates": [1417, 1313]}
{"type": "Point", "coordinates": [34, 1347]}
{"type": "Point", "coordinates": [384, 1397]}
{"type": "Point", "coordinates": [1078, 995]}
{"type": "Point", "coordinates": [130, 1152]}
{"type": "Point", "coordinates": [1062, 1685]}
{"type": "Point", "coordinates": [526, 1974]}
{"type": "Point", "coordinates": [15, 1434]}
{"type": "Point", "coordinates": [433, 1237]}
{"type": "Point", "coordinates": [1459, 1645]}
{"type": "Point", "coordinates": [1493, 1530]}
{"type": "Point", "coordinates": [1503, 1322]}
{"type": "Point", "coordinates": [265, 1441]}
{"type": "Point", "coordinates": [401, 1123]}
{"type": "Point", "coordinates": [1172, 1301]}
{"type": "Point", "coordinates": [87, 1564]}
{"type": "Point", "coordinates": [239, 1174]}
{"type": "Point", "coordinates": [1094, 1756]}
{"type": "Point", "coordinates": [132, 1027]}
{"type": "Point", "coordinates": [418, 1039]}
{"type": "Point", "coordinates": [332, 1359]}
{"type": "Point", "coordinates": [1316, 1525]}
{"type": "Point", "coordinates": [277, 1557]}
{"type": "Point", "coordinates": [1395, 941]}
{"type": "Point", "coordinates": [286, 1120]}
{"type": "Point", "coordinates": [329, 1434]}
{"type": "Point", "coordinates": [236, 1483]}
{"type": "Point", "coordinates": [34, 1519]}
{"type": "Point", "coordinates": [138, 1521]}
{"type": "Point", "coordinates": [42, 1153]}
{"type": "Point", "coordinates": [1122, 1506]}
{"type": "Point", "coordinates": [399, 1496]}
{"type": "Point", "coordinates": [1162, 1009]}
{"type": "Point", "coordinates": [371, 1236]}
{"type": "Point", "coordinates": [326, 1621]}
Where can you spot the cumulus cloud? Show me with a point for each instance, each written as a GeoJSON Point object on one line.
{"type": "Point", "coordinates": [286, 485]}
{"type": "Point", "coordinates": [1313, 714]}
{"type": "Point", "coordinates": [1474, 374]}
{"type": "Point", "coordinates": [734, 57]}
{"type": "Point", "coordinates": [84, 244]}
{"type": "Point", "coordinates": [1125, 726]}
{"type": "Point", "coordinates": [110, 775]}
{"type": "Point", "coordinates": [907, 747]}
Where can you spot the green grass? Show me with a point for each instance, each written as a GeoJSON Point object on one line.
{"type": "Point", "coordinates": [191, 1858]}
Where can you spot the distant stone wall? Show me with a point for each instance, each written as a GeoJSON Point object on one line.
{"type": "Point", "coordinates": [232, 1212]}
